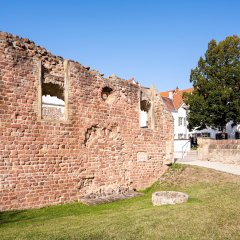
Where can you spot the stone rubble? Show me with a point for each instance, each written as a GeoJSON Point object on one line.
{"type": "Point", "coordinates": [168, 197]}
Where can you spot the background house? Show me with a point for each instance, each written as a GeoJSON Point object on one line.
{"type": "Point", "coordinates": [175, 104]}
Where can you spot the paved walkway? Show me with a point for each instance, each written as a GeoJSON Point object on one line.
{"type": "Point", "coordinates": [228, 168]}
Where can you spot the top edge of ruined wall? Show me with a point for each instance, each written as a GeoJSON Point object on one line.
{"type": "Point", "coordinates": [47, 58]}
{"type": "Point", "coordinates": [208, 141]}
{"type": "Point", "coordinates": [24, 44]}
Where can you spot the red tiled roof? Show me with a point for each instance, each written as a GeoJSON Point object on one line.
{"type": "Point", "coordinates": [166, 94]}
{"type": "Point", "coordinates": [177, 96]}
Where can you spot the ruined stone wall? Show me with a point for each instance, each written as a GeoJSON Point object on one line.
{"type": "Point", "coordinates": [97, 149]}
{"type": "Point", "coordinates": [225, 151]}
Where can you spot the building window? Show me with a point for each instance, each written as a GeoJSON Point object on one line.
{"type": "Point", "coordinates": [180, 121]}
{"type": "Point", "coordinates": [205, 135]}
{"type": "Point", "coordinates": [181, 136]}
{"type": "Point", "coordinates": [185, 121]}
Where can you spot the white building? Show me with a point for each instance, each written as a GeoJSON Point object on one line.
{"type": "Point", "coordinates": [174, 102]}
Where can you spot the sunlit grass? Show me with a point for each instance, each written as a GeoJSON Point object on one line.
{"type": "Point", "coordinates": [212, 212]}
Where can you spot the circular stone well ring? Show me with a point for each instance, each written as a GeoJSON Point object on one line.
{"type": "Point", "coordinates": [168, 197]}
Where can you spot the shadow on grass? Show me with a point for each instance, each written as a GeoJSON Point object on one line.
{"type": "Point", "coordinates": [64, 210]}
{"type": "Point", "coordinates": [13, 216]}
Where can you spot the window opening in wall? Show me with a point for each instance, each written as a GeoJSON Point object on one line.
{"type": "Point", "coordinates": [107, 95]}
{"type": "Point", "coordinates": [203, 135]}
{"type": "Point", "coordinates": [145, 117]}
{"type": "Point", "coordinates": [53, 105]}
{"type": "Point", "coordinates": [106, 91]}
{"type": "Point", "coordinates": [181, 136]}
{"type": "Point", "coordinates": [206, 135]}
{"type": "Point", "coordinates": [180, 121]}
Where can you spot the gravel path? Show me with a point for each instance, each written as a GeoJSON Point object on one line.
{"type": "Point", "coordinates": [228, 168]}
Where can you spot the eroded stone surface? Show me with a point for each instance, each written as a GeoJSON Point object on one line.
{"type": "Point", "coordinates": [168, 197]}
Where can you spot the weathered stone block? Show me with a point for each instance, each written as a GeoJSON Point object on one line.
{"type": "Point", "coordinates": [168, 197]}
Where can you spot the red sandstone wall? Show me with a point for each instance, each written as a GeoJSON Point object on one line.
{"type": "Point", "coordinates": [100, 149]}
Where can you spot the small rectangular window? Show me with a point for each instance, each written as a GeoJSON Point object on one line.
{"type": "Point", "coordinates": [180, 136]}
{"type": "Point", "coordinates": [180, 121]}
{"type": "Point", "coordinates": [205, 134]}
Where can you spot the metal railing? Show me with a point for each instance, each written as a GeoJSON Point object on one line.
{"type": "Point", "coordinates": [185, 145]}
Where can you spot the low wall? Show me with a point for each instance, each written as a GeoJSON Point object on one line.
{"type": "Point", "coordinates": [225, 151]}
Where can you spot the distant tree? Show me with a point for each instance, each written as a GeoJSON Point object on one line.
{"type": "Point", "coordinates": [215, 99]}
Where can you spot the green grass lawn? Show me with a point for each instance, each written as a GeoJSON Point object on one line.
{"type": "Point", "coordinates": [212, 212]}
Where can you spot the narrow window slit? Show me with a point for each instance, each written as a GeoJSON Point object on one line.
{"type": "Point", "coordinates": [145, 118]}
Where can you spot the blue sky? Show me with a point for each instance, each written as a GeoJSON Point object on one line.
{"type": "Point", "coordinates": [156, 42]}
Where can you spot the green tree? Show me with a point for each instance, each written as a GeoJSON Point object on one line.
{"type": "Point", "coordinates": [215, 99]}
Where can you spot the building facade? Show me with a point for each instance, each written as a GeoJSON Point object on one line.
{"type": "Point", "coordinates": [175, 103]}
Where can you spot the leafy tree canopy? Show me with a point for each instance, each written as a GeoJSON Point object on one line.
{"type": "Point", "coordinates": [215, 99]}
